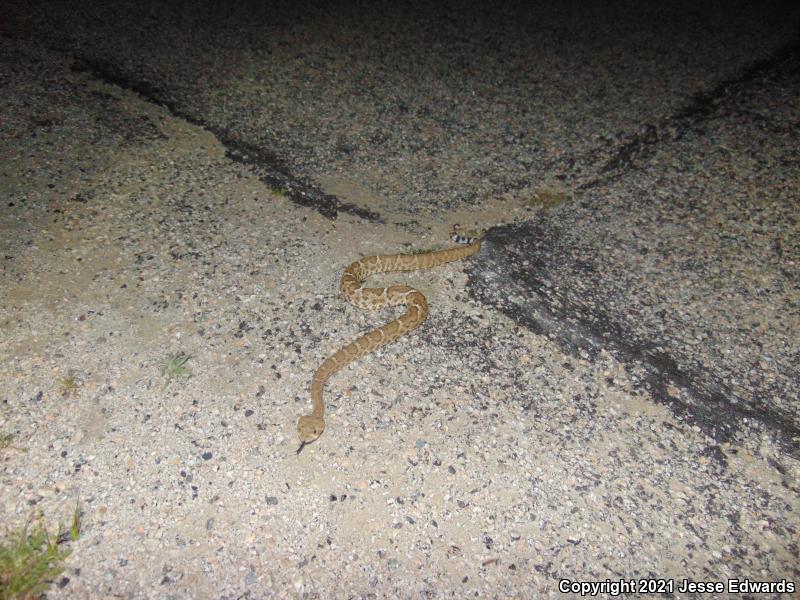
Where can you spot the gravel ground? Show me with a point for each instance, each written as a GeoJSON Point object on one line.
{"type": "Point", "coordinates": [475, 457]}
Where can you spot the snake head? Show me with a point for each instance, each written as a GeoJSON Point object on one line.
{"type": "Point", "coordinates": [309, 428]}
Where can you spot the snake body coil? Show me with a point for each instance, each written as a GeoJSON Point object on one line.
{"type": "Point", "coordinates": [311, 426]}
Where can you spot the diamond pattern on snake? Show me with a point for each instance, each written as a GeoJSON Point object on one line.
{"type": "Point", "coordinates": [311, 426]}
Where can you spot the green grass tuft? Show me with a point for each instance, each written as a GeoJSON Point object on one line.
{"type": "Point", "coordinates": [75, 528]}
{"type": "Point", "coordinates": [30, 558]}
{"type": "Point", "coordinates": [69, 385]}
{"type": "Point", "coordinates": [174, 366]}
{"type": "Point", "coordinates": [5, 440]}
{"type": "Point", "coordinates": [279, 191]}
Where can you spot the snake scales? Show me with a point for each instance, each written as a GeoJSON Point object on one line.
{"type": "Point", "coordinates": [311, 426]}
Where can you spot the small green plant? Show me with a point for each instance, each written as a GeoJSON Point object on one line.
{"type": "Point", "coordinates": [278, 191]}
{"type": "Point", "coordinates": [174, 366]}
{"type": "Point", "coordinates": [30, 558]}
{"type": "Point", "coordinates": [75, 528]}
{"type": "Point", "coordinates": [69, 385]}
{"type": "Point", "coordinates": [5, 442]}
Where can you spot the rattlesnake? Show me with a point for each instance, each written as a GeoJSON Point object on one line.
{"type": "Point", "coordinates": [311, 426]}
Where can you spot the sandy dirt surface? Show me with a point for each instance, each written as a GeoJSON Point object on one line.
{"type": "Point", "coordinates": [473, 457]}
